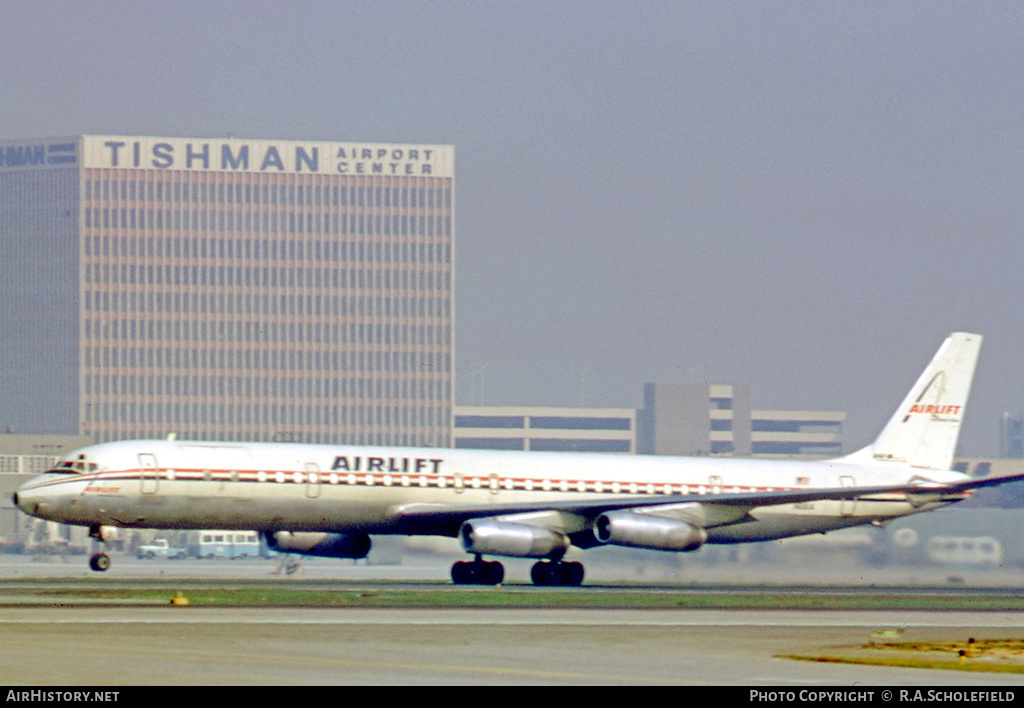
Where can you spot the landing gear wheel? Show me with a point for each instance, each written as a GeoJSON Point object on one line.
{"type": "Point", "coordinates": [543, 574]}
{"type": "Point", "coordinates": [461, 573]}
{"type": "Point", "coordinates": [478, 572]}
{"type": "Point", "coordinates": [572, 574]}
{"type": "Point", "coordinates": [557, 573]}
{"type": "Point", "coordinates": [99, 562]}
{"type": "Point", "coordinates": [495, 573]}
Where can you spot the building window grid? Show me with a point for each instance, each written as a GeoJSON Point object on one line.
{"type": "Point", "coordinates": [121, 250]}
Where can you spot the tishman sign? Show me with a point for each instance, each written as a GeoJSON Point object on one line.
{"type": "Point", "coordinates": [268, 156]}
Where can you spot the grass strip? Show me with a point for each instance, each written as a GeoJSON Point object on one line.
{"type": "Point", "coordinates": [915, 663]}
{"type": "Point", "coordinates": [516, 597]}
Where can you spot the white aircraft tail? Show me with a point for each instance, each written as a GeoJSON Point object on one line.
{"type": "Point", "coordinates": [924, 430]}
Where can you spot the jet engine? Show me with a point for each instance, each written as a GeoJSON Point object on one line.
{"type": "Point", "coordinates": [326, 545]}
{"type": "Point", "coordinates": [627, 528]}
{"type": "Point", "coordinates": [502, 538]}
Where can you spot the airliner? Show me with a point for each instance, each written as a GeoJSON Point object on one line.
{"type": "Point", "coordinates": [327, 500]}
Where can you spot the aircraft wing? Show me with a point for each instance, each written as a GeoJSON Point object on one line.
{"type": "Point", "coordinates": [445, 520]}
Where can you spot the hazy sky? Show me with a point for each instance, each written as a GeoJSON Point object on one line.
{"type": "Point", "coordinates": [802, 196]}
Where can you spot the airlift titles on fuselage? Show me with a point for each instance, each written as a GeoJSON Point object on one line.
{"type": "Point", "coordinates": [356, 463]}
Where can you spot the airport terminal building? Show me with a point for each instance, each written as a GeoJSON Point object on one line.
{"type": "Point", "coordinates": [227, 289]}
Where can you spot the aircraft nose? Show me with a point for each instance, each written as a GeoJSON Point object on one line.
{"type": "Point", "coordinates": [24, 502]}
{"type": "Point", "coordinates": [28, 498]}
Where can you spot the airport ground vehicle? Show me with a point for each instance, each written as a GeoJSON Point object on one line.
{"type": "Point", "coordinates": [226, 544]}
{"type": "Point", "coordinates": [159, 548]}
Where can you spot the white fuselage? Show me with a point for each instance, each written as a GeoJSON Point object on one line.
{"type": "Point", "coordinates": [344, 489]}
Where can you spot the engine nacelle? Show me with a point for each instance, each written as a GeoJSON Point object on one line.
{"type": "Point", "coordinates": [503, 538]}
{"type": "Point", "coordinates": [627, 528]}
{"type": "Point", "coordinates": [326, 545]}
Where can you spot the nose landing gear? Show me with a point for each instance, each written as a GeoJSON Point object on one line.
{"type": "Point", "coordinates": [99, 561]}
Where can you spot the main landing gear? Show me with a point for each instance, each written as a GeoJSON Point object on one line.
{"type": "Point", "coordinates": [555, 573]}
{"type": "Point", "coordinates": [98, 561]}
{"type": "Point", "coordinates": [478, 572]}
{"type": "Point", "coordinates": [543, 573]}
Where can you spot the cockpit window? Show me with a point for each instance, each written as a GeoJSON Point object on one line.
{"type": "Point", "coordinates": [79, 465]}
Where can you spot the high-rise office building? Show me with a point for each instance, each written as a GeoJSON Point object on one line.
{"type": "Point", "coordinates": [227, 289]}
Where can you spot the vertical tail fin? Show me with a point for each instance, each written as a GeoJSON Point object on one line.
{"type": "Point", "coordinates": [925, 428]}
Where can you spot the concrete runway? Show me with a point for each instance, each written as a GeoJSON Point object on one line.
{"type": "Point", "coordinates": [132, 646]}
{"type": "Point", "coordinates": [139, 645]}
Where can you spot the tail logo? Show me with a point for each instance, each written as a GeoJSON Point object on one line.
{"type": "Point", "coordinates": [937, 386]}
{"type": "Point", "coordinates": [935, 410]}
